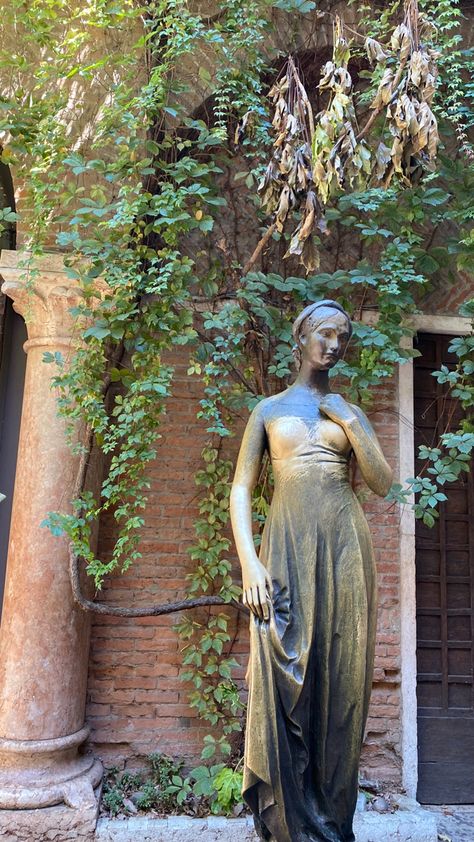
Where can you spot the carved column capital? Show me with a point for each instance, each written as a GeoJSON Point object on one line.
{"type": "Point", "coordinates": [43, 293]}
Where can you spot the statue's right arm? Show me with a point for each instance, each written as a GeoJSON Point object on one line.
{"type": "Point", "coordinates": [256, 582]}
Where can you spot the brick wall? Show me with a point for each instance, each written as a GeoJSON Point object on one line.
{"type": "Point", "coordinates": [137, 702]}
{"type": "Point", "coordinates": [381, 757]}
{"type": "Point", "coordinates": [447, 298]}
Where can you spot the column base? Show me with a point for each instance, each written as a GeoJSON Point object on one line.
{"type": "Point", "coordinates": [43, 773]}
{"type": "Point", "coordinates": [60, 823]}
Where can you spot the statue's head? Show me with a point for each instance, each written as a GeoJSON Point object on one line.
{"type": "Point", "coordinates": [321, 332]}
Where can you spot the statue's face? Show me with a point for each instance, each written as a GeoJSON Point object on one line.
{"type": "Point", "coordinates": [323, 342]}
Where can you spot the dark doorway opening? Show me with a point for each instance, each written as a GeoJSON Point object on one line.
{"type": "Point", "coordinates": [12, 372]}
{"type": "Point", "coordinates": [445, 591]}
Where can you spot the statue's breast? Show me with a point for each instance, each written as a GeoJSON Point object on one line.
{"type": "Point", "coordinates": [290, 435]}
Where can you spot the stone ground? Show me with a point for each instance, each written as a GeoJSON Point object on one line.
{"type": "Point", "coordinates": [455, 823]}
{"type": "Point", "coordinates": [415, 825]}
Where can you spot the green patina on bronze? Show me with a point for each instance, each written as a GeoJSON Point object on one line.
{"type": "Point", "coordinates": [312, 595]}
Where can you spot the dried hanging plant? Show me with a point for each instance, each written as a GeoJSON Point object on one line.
{"type": "Point", "coordinates": [316, 158]}
{"type": "Point", "coordinates": [410, 118]}
{"type": "Point", "coordinates": [288, 181]}
{"type": "Point", "coordinates": [340, 159]}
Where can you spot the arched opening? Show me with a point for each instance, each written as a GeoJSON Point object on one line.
{"type": "Point", "coordinates": [12, 373]}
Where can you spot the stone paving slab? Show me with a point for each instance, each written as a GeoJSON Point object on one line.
{"type": "Point", "coordinates": [417, 825]}
{"type": "Point", "coordinates": [455, 822]}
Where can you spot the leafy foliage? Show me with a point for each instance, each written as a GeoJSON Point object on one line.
{"type": "Point", "coordinates": [165, 787]}
{"type": "Point", "coordinates": [447, 462]}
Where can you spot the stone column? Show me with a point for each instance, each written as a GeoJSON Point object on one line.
{"type": "Point", "coordinates": [44, 636]}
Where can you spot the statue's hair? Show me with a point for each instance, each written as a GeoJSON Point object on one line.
{"type": "Point", "coordinates": [327, 304]}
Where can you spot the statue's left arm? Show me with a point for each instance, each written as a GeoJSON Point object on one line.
{"type": "Point", "coordinates": [374, 468]}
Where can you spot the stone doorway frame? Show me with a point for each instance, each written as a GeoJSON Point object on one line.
{"type": "Point", "coordinates": [449, 324]}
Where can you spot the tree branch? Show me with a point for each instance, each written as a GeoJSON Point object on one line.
{"type": "Point", "coordinates": [259, 248]}
{"type": "Point", "coordinates": [142, 611]}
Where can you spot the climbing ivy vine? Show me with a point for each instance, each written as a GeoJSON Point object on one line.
{"type": "Point", "coordinates": [141, 195]}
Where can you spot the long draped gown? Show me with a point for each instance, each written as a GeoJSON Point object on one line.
{"type": "Point", "coordinates": [310, 670]}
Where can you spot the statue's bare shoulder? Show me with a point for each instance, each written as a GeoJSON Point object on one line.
{"type": "Point", "coordinates": [270, 407]}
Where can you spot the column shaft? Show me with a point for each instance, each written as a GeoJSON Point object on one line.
{"type": "Point", "coordinates": [44, 636]}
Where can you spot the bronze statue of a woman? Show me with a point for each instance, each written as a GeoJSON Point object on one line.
{"type": "Point", "coordinates": [311, 593]}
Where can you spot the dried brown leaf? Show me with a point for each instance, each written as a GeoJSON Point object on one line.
{"type": "Point", "coordinates": [287, 160]}
{"type": "Point", "coordinates": [311, 209]}
{"type": "Point", "coordinates": [396, 38]}
{"type": "Point", "coordinates": [287, 201]}
{"type": "Point", "coordinates": [420, 141]}
{"type": "Point", "coordinates": [296, 245]}
{"type": "Point", "coordinates": [341, 80]}
{"type": "Point", "coordinates": [361, 163]}
{"type": "Point", "coordinates": [270, 199]}
{"type": "Point", "coordinates": [375, 51]}
{"type": "Point", "coordinates": [396, 153]}
{"type": "Point", "coordinates": [384, 92]}
{"type": "Point", "coordinates": [433, 135]}
{"type": "Point", "coordinates": [279, 89]}
{"type": "Point", "coordinates": [270, 176]}
{"type": "Point", "coordinates": [327, 72]}
{"type": "Point", "coordinates": [281, 111]}
{"type": "Point", "coordinates": [304, 249]}
{"type": "Point", "coordinates": [412, 107]}
{"type": "Point", "coordinates": [429, 88]}
{"type": "Point", "coordinates": [405, 48]}
{"type": "Point", "coordinates": [300, 175]}
{"type": "Point", "coordinates": [339, 105]}
{"type": "Point", "coordinates": [341, 49]}
{"type": "Point", "coordinates": [401, 41]}
{"type": "Point", "coordinates": [427, 126]}
{"type": "Point", "coordinates": [292, 125]}
{"type": "Point", "coordinates": [319, 173]}
{"type": "Point", "coordinates": [310, 256]}
{"type": "Point", "coordinates": [307, 226]}
{"type": "Point", "coordinates": [382, 160]}
{"type": "Point", "coordinates": [404, 114]}
{"type": "Point", "coordinates": [419, 67]}
{"type": "Point", "coordinates": [269, 188]}
{"type": "Point", "coordinates": [348, 140]}
{"type": "Point", "coordinates": [281, 139]}
{"type": "Point", "coordinates": [335, 166]}
{"type": "Point", "coordinates": [322, 176]}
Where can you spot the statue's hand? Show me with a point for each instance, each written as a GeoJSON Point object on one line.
{"type": "Point", "coordinates": [257, 588]}
{"type": "Point", "coordinates": [337, 409]}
